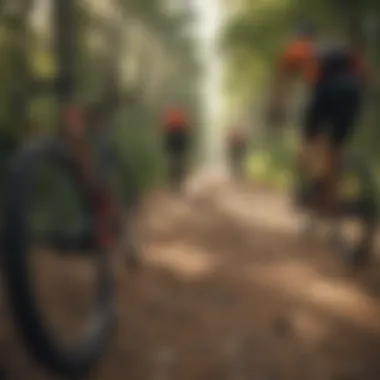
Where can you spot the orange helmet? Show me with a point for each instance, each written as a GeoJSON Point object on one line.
{"type": "Point", "coordinates": [175, 116]}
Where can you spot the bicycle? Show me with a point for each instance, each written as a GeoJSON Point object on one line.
{"type": "Point", "coordinates": [176, 146]}
{"type": "Point", "coordinates": [236, 158]}
{"type": "Point", "coordinates": [356, 203]}
{"type": "Point", "coordinates": [86, 167]}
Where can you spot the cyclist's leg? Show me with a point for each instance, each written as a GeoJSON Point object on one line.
{"type": "Point", "coordinates": [168, 147]}
{"type": "Point", "coordinates": [312, 132]}
{"type": "Point", "coordinates": [233, 155]}
{"type": "Point", "coordinates": [172, 150]}
{"type": "Point", "coordinates": [240, 158]}
{"type": "Point", "coordinates": [183, 145]}
{"type": "Point", "coordinates": [344, 116]}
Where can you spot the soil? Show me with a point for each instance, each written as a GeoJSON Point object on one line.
{"type": "Point", "coordinates": [229, 290]}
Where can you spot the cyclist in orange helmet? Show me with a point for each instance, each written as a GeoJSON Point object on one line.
{"type": "Point", "coordinates": [176, 130]}
{"type": "Point", "coordinates": [335, 73]}
{"type": "Point", "coordinates": [236, 145]}
{"type": "Point", "coordinates": [175, 118]}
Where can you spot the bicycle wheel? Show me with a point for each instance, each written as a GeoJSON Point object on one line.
{"type": "Point", "coordinates": [351, 232]}
{"type": "Point", "coordinates": [303, 195]}
{"type": "Point", "coordinates": [76, 357]}
{"type": "Point", "coordinates": [355, 228]}
{"type": "Point", "coordinates": [176, 172]}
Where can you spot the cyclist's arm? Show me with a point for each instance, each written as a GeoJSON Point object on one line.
{"type": "Point", "coordinates": [289, 63]}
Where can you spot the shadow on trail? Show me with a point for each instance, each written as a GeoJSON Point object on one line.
{"type": "Point", "coordinates": [229, 292]}
{"type": "Point", "coordinates": [221, 231]}
{"type": "Point", "coordinates": [225, 300]}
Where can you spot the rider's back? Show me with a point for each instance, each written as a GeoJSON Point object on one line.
{"type": "Point", "coordinates": [334, 59]}
{"type": "Point", "coordinates": [317, 61]}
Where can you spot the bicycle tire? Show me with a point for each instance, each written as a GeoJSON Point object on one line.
{"type": "Point", "coordinates": [177, 171]}
{"type": "Point", "coordinates": [78, 359]}
{"type": "Point", "coordinates": [365, 208]}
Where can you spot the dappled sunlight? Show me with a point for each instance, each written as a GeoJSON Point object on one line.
{"type": "Point", "coordinates": [259, 164]}
{"type": "Point", "coordinates": [266, 210]}
{"type": "Point", "coordinates": [205, 181]}
{"type": "Point", "coordinates": [169, 213]}
{"type": "Point", "coordinates": [293, 279]}
{"type": "Point", "coordinates": [339, 297]}
{"type": "Point", "coordinates": [227, 288]}
{"type": "Point", "coordinates": [310, 327]}
{"type": "Point", "coordinates": [230, 291]}
{"type": "Point", "coordinates": [188, 261]}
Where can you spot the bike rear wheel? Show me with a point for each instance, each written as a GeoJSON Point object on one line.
{"type": "Point", "coordinates": [78, 357]}
{"type": "Point", "coordinates": [177, 171]}
{"type": "Point", "coordinates": [359, 209]}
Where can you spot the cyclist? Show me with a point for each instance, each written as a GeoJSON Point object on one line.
{"type": "Point", "coordinates": [236, 145]}
{"type": "Point", "coordinates": [176, 130]}
{"type": "Point", "coordinates": [335, 73]}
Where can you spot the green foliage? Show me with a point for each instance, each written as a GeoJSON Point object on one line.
{"type": "Point", "coordinates": [251, 42]}
{"type": "Point", "coordinates": [137, 140]}
{"type": "Point", "coordinates": [258, 32]}
{"type": "Point", "coordinates": [138, 149]}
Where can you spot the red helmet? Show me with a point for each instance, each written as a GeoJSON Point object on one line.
{"type": "Point", "coordinates": [175, 116]}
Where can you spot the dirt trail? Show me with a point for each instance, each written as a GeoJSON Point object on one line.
{"type": "Point", "coordinates": [230, 292]}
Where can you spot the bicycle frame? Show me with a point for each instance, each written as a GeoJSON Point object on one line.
{"type": "Point", "coordinates": [75, 121]}
{"type": "Point", "coordinates": [70, 153]}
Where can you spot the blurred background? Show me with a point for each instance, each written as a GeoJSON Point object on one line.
{"type": "Point", "coordinates": [253, 37]}
{"type": "Point", "coordinates": [214, 58]}
{"type": "Point", "coordinates": [227, 292]}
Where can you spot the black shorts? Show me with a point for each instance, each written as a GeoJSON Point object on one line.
{"type": "Point", "coordinates": [237, 150]}
{"type": "Point", "coordinates": [333, 109]}
{"type": "Point", "coordinates": [177, 141]}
